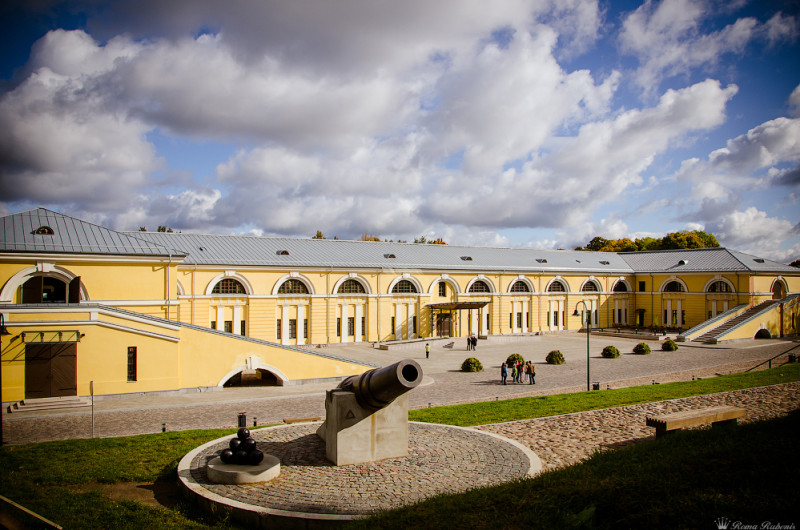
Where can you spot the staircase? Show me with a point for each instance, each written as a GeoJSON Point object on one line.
{"type": "Point", "coordinates": [711, 335]}
{"type": "Point", "coordinates": [47, 404]}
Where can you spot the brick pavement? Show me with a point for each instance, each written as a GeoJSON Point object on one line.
{"type": "Point", "coordinates": [443, 384]}
{"type": "Point", "coordinates": [441, 459]}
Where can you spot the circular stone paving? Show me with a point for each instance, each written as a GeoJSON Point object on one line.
{"type": "Point", "coordinates": [441, 459]}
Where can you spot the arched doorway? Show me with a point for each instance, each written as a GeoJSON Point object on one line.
{"type": "Point", "coordinates": [778, 290]}
{"type": "Point", "coordinates": [252, 378]}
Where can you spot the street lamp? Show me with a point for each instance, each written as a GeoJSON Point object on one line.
{"type": "Point", "coordinates": [3, 333]}
{"type": "Point", "coordinates": [588, 329]}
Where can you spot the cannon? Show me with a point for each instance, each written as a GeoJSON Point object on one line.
{"type": "Point", "coordinates": [366, 416]}
{"type": "Point", "coordinates": [374, 389]}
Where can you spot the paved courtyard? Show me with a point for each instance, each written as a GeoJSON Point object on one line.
{"type": "Point", "coordinates": [443, 383]}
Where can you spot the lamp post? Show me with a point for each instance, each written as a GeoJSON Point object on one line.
{"type": "Point", "coordinates": [588, 329]}
{"type": "Point", "coordinates": [3, 333]}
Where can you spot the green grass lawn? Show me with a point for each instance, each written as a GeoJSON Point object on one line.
{"type": "Point", "coordinates": [537, 407]}
{"type": "Point", "coordinates": [60, 480]}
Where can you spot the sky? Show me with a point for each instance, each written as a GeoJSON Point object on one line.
{"type": "Point", "coordinates": [511, 123]}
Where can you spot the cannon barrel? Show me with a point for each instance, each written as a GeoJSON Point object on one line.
{"type": "Point", "coordinates": [377, 388]}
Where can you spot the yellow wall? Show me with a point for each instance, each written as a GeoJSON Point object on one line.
{"type": "Point", "coordinates": [169, 357]}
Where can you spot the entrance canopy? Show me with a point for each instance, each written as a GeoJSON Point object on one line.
{"type": "Point", "coordinates": [448, 306]}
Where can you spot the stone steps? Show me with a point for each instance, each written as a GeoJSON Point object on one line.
{"type": "Point", "coordinates": [45, 404]}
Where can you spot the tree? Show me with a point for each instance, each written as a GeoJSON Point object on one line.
{"type": "Point", "coordinates": [673, 240]}
{"type": "Point", "coordinates": [368, 237]}
{"type": "Point", "coordinates": [318, 235]}
{"type": "Point", "coordinates": [795, 263]}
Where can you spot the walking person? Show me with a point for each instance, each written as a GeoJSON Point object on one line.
{"type": "Point", "coordinates": [427, 350]}
{"type": "Point", "coordinates": [533, 374]}
{"type": "Point", "coordinates": [469, 343]}
{"type": "Point", "coordinates": [514, 373]}
{"type": "Point", "coordinates": [474, 340]}
{"type": "Point", "coordinates": [503, 372]}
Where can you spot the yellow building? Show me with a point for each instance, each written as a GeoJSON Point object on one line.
{"type": "Point", "coordinates": [139, 311]}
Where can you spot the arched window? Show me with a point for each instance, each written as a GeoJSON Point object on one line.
{"type": "Point", "coordinates": [228, 286]}
{"type": "Point", "coordinates": [719, 287]}
{"type": "Point", "coordinates": [589, 287]}
{"type": "Point", "coordinates": [479, 286]}
{"type": "Point", "coordinates": [520, 287]}
{"type": "Point", "coordinates": [404, 286]}
{"type": "Point", "coordinates": [673, 287]}
{"type": "Point", "coordinates": [351, 286]}
{"type": "Point", "coordinates": [293, 286]}
{"type": "Point", "coordinates": [620, 287]}
{"type": "Point", "coordinates": [556, 287]}
{"type": "Point", "coordinates": [44, 290]}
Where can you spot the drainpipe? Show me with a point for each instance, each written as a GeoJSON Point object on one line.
{"type": "Point", "coordinates": [169, 265]}
{"type": "Point", "coordinates": [652, 301]}
{"type": "Point", "coordinates": [194, 294]}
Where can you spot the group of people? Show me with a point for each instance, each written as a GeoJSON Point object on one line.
{"type": "Point", "coordinates": [518, 371]}
{"type": "Point", "coordinates": [472, 342]}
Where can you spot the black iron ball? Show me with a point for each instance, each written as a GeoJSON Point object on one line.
{"type": "Point", "coordinates": [240, 457]}
{"type": "Point", "coordinates": [255, 457]}
{"type": "Point", "coordinates": [243, 433]}
{"type": "Point", "coordinates": [227, 456]}
{"type": "Point", "coordinates": [235, 444]}
{"type": "Point", "coordinates": [248, 444]}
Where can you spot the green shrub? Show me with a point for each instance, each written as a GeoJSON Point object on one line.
{"type": "Point", "coordinates": [555, 357]}
{"type": "Point", "coordinates": [669, 345]}
{"type": "Point", "coordinates": [514, 358]}
{"type": "Point", "coordinates": [610, 352]}
{"type": "Point", "coordinates": [471, 364]}
{"type": "Point", "coordinates": [641, 349]}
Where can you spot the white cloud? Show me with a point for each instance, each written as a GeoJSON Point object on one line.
{"type": "Point", "coordinates": [668, 38]}
{"type": "Point", "coordinates": [753, 231]}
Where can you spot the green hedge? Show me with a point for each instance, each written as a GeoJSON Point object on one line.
{"type": "Point", "coordinates": [514, 358]}
{"type": "Point", "coordinates": [555, 357]}
{"type": "Point", "coordinates": [641, 349]}
{"type": "Point", "coordinates": [471, 364]}
{"type": "Point", "coordinates": [610, 352]}
{"type": "Point", "coordinates": [669, 345]}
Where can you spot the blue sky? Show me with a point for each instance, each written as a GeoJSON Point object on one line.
{"type": "Point", "coordinates": [513, 123]}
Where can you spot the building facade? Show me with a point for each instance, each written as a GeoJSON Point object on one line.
{"type": "Point", "coordinates": [265, 302]}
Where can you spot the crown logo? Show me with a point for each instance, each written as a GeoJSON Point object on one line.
{"type": "Point", "coordinates": [722, 523]}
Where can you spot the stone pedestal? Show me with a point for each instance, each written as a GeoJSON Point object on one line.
{"type": "Point", "coordinates": [221, 473]}
{"type": "Point", "coordinates": [354, 435]}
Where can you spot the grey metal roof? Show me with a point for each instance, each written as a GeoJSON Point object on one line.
{"type": "Point", "coordinates": [701, 260]}
{"type": "Point", "coordinates": [287, 252]}
{"type": "Point", "coordinates": [18, 233]}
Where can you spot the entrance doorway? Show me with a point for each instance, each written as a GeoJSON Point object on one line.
{"type": "Point", "coordinates": [51, 370]}
{"type": "Point", "coordinates": [443, 322]}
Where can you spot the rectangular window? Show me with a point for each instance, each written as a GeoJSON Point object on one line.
{"type": "Point", "coordinates": [555, 318]}
{"type": "Point", "coordinates": [414, 325]}
{"type": "Point", "coordinates": [666, 318]}
{"type": "Point", "coordinates": [131, 363]}
{"type": "Point", "coordinates": [213, 324]}
{"type": "Point", "coordinates": [394, 328]}
{"type": "Point", "coordinates": [519, 320]}
{"type": "Point", "coordinates": [363, 326]}
{"type": "Point", "coordinates": [279, 329]}
{"type": "Point", "coordinates": [242, 328]}
{"type": "Point", "coordinates": [351, 326]}
{"type": "Point", "coordinates": [442, 289]}
{"type": "Point", "coordinates": [641, 287]}
{"type": "Point", "coordinates": [305, 328]}
{"type": "Point", "coordinates": [292, 328]}
{"type": "Point", "coordinates": [229, 326]}
{"type": "Point", "coordinates": [510, 320]}
{"type": "Point", "coordinates": [338, 326]}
